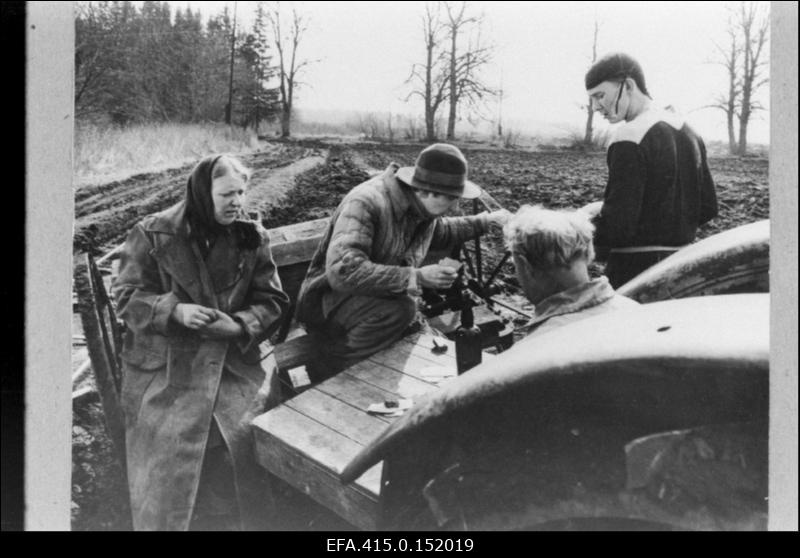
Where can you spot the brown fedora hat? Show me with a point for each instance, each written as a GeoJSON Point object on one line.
{"type": "Point", "coordinates": [440, 168]}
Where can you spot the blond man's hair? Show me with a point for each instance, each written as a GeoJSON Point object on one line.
{"type": "Point", "coordinates": [550, 239]}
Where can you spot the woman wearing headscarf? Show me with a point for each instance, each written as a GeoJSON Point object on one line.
{"type": "Point", "coordinates": [198, 291]}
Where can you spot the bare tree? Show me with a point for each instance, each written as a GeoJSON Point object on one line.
{"type": "Point", "coordinates": [587, 136]}
{"type": "Point", "coordinates": [729, 101]}
{"type": "Point", "coordinates": [500, 107]}
{"type": "Point", "coordinates": [744, 66]}
{"type": "Point", "coordinates": [753, 24]}
{"type": "Point", "coordinates": [289, 66]}
{"type": "Point", "coordinates": [430, 78]}
{"type": "Point", "coordinates": [465, 84]}
{"type": "Point", "coordinates": [411, 132]}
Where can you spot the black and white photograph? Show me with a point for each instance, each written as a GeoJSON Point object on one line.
{"type": "Point", "coordinates": [418, 267]}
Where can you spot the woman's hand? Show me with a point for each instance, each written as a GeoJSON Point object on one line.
{"type": "Point", "coordinates": [437, 276]}
{"type": "Point", "coordinates": [223, 327]}
{"type": "Point", "coordinates": [193, 316]}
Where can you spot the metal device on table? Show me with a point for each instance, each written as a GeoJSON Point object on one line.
{"type": "Point", "coordinates": [480, 325]}
{"type": "Point", "coordinates": [468, 303]}
{"type": "Point", "coordinates": [469, 343]}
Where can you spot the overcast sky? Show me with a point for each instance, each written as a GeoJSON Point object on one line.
{"type": "Point", "coordinates": [543, 49]}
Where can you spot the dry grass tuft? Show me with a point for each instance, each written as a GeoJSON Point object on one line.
{"type": "Point", "coordinates": [104, 154]}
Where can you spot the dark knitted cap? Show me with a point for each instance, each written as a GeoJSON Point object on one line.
{"type": "Point", "coordinates": [616, 66]}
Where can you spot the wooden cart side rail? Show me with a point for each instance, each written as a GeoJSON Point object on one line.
{"type": "Point", "coordinates": [97, 319]}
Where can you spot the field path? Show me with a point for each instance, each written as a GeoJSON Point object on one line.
{"type": "Point", "coordinates": [360, 161]}
{"type": "Point", "coordinates": [268, 186]}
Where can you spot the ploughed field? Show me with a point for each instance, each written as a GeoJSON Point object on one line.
{"type": "Point", "coordinates": [303, 180]}
{"type": "Point", "coordinates": [565, 179]}
{"type": "Point", "coordinates": [557, 179]}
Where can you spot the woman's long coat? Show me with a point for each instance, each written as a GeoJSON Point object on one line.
{"type": "Point", "coordinates": [174, 380]}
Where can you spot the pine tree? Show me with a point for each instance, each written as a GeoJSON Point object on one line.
{"type": "Point", "coordinates": [137, 65]}
{"type": "Point", "coordinates": [257, 101]}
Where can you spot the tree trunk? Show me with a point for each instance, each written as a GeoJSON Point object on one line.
{"type": "Point", "coordinates": [732, 147]}
{"type": "Point", "coordinates": [743, 134]}
{"type": "Point", "coordinates": [744, 119]}
{"type": "Point", "coordinates": [587, 136]}
{"type": "Point", "coordinates": [430, 125]}
{"type": "Point", "coordinates": [429, 112]}
{"type": "Point", "coordinates": [229, 106]}
{"type": "Point", "coordinates": [286, 117]}
{"type": "Point", "coordinates": [451, 119]}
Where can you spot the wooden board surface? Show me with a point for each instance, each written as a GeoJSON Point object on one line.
{"type": "Point", "coordinates": [296, 243]}
{"type": "Point", "coordinates": [308, 440]}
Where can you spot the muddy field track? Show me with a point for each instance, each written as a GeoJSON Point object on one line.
{"type": "Point", "coordinates": [104, 213]}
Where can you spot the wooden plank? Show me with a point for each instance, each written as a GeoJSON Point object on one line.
{"type": "Point", "coordinates": [295, 252]}
{"type": "Point", "coordinates": [421, 353]}
{"type": "Point", "coordinates": [303, 229]}
{"type": "Point", "coordinates": [309, 456]}
{"type": "Point", "coordinates": [348, 420]}
{"type": "Point", "coordinates": [423, 343]}
{"type": "Point", "coordinates": [296, 243]}
{"type": "Point", "coordinates": [355, 392]}
{"type": "Point", "coordinates": [308, 436]}
{"type": "Point", "coordinates": [361, 393]}
{"type": "Point", "coordinates": [392, 381]}
{"type": "Point", "coordinates": [358, 507]}
{"type": "Point", "coordinates": [295, 352]}
{"type": "Point", "coordinates": [411, 365]}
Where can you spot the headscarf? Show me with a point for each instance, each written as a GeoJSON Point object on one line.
{"type": "Point", "coordinates": [199, 212]}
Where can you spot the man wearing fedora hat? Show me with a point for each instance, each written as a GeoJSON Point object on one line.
{"type": "Point", "coordinates": [359, 292]}
{"type": "Point", "coordinates": [659, 188]}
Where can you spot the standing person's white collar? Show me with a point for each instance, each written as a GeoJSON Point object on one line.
{"type": "Point", "coordinates": [634, 130]}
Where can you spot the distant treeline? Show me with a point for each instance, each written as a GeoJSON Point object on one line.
{"type": "Point", "coordinates": [147, 64]}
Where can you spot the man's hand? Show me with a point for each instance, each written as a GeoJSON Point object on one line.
{"type": "Point", "coordinates": [499, 217]}
{"type": "Point", "coordinates": [223, 327]}
{"type": "Point", "coordinates": [193, 316]}
{"type": "Point", "coordinates": [593, 209]}
{"type": "Point", "coordinates": [437, 276]}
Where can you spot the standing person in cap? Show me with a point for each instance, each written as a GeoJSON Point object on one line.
{"type": "Point", "coordinates": [659, 187]}
{"type": "Point", "coordinates": [358, 294]}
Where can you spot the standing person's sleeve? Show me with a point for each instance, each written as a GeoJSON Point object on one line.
{"type": "Point", "coordinates": [617, 222]}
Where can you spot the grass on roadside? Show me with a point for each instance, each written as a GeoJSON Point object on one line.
{"type": "Point", "coordinates": [107, 153]}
